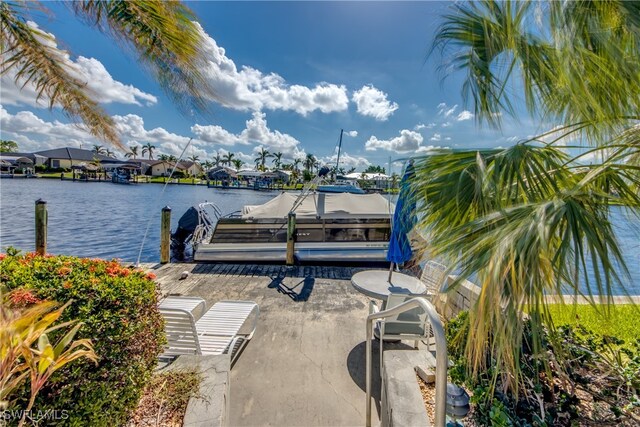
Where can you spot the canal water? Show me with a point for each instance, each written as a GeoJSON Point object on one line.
{"type": "Point", "coordinates": [106, 220]}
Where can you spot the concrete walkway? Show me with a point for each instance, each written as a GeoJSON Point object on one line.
{"type": "Point", "coordinates": [305, 365]}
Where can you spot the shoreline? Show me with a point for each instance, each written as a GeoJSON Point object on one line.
{"type": "Point", "coordinates": [156, 180]}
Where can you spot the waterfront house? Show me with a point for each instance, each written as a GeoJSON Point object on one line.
{"type": "Point", "coordinates": [278, 176]}
{"type": "Point", "coordinates": [68, 157]}
{"type": "Point", "coordinates": [375, 180]}
{"type": "Point", "coordinates": [36, 159]}
{"type": "Point", "coordinates": [191, 168]}
{"type": "Point", "coordinates": [222, 173]}
{"type": "Point", "coordinates": [12, 163]}
{"type": "Point", "coordinates": [164, 168]}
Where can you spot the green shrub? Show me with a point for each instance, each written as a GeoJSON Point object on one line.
{"type": "Point", "coordinates": [118, 309]}
{"type": "Point", "coordinates": [605, 370]}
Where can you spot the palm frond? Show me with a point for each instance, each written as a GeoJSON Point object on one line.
{"type": "Point", "coordinates": [29, 52]}
{"type": "Point", "coordinates": [585, 69]}
{"type": "Point", "coordinates": [167, 40]}
{"type": "Point", "coordinates": [525, 223]}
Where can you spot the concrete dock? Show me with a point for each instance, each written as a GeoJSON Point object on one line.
{"type": "Point", "coordinates": [306, 363]}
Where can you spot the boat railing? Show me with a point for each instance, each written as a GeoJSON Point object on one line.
{"type": "Point", "coordinates": [207, 211]}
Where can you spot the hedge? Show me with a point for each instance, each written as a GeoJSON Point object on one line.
{"type": "Point", "coordinates": [119, 309]}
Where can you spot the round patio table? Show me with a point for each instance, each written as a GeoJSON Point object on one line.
{"type": "Point", "coordinates": [374, 284]}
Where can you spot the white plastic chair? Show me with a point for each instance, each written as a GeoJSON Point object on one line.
{"type": "Point", "coordinates": [221, 330]}
{"type": "Point", "coordinates": [433, 276]}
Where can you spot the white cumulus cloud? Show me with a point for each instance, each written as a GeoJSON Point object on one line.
{"type": "Point", "coordinates": [407, 141]}
{"type": "Point", "coordinates": [33, 134]}
{"type": "Point", "coordinates": [346, 160]}
{"type": "Point", "coordinates": [250, 89]}
{"type": "Point", "coordinates": [372, 102]}
{"type": "Point", "coordinates": [464, 115]}
{"type": "Point", "coordinates": [352, 133]}
{"type": "Point", "coordinates": [88, 70]}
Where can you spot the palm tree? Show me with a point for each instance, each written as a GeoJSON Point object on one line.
{"type": "Point", "coordinates": [164, 35]}
{"type": "Point", "coordinates": [263, 155]}
{"type": "Point", "coordinates": [529, 217]}
{"type": "Point", "coordinates": [217, 160]}
{"type": "Point", "coordinates": [171, 158]}
{"type": "Point", "coordinates": [295, 164]}
{"type": "Point", "coordinates": [163, 157]}
{"type": "Point", "coordinates": [309, 162]}
{"type": "Point", "coordinates": [148, 149]}
{"type": "Point", "coordinates": [99, 149]}
{"type": "Point", "coordinates": [207, 164]}
{"type": "Point", "coordinates": [277, 159]}
{"type": "Point", "coordinates": [133, 152]}
{"type": "Point", "coordinates": [110, 153]}
{"type": "Point", "coordinates": [237, 163]}
{"type": "Point", "coordinates": [227, 158]}
{"type": "Point", "coordinates": [194, 158]}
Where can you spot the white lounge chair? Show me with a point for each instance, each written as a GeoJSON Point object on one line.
{"type": "Point", "coordinates": [195, 305]}
{"type": "Point", "coordinates": [220, 330]}
{"type": "Point", "coordinates": [411, 325]}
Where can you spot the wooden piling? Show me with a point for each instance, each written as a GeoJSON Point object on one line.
{"type": "Point", "coordinates": [291, 238]}
{"type": "Point", "coordinates": [41, 227]}
{"type": "Point", "coordinates": [165, 235]}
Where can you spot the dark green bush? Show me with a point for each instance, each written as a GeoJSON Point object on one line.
{"type": "Point", "coordinates": [118, 307]}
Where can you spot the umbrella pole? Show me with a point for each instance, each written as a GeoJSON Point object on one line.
{"type": "Point", "coordinates": [390, 272]}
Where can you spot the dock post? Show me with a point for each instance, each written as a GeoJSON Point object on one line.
{"type": "Point", "coordinates": [165, 235]}
{"type": "Point", "coordinates": [291, 237]}
{"type": "Point", "coordinates": [41, 227]}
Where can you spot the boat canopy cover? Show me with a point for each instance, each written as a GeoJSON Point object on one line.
{"type": "Point", "coordinates": [323, 205]}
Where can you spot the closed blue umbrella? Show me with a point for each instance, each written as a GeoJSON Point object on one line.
{"type": "Point", "coordinates": [404, 219]}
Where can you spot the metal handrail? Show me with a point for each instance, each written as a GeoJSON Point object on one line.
{"type": "Point", "coordinates": [441, 353]}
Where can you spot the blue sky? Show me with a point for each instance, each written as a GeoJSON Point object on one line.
{"type": "Point", "coordinates": [291, 74]}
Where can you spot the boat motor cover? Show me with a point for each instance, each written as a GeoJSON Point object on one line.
{"type": "Point", "coordinates": [186, 225]}
{"type": "Point", "coordinates": [323, 205]}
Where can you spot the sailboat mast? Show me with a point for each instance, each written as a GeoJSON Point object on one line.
{"type": "Point", "coordinates": [339, 148]}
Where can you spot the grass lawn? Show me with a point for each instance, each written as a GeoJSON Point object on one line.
{"type": "Point", "coordinates": [621, 321]}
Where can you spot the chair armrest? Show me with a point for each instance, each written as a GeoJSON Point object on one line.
{"type": "Point", "coordinates": [373, 307]}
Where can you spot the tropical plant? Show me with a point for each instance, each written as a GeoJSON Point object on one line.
{"type": "Point", "coordinates": [109, 153]}
{"type": "Point", "coordinates": [217, 160]}
{"type": "Point", "coordinates": [263, 155]}
{"type": "Point", "coordinates": [171, 158]}
{"type": "Point", "coordinates": [532, 219]}
{"type": "Point", "coordinates": [351, 170]}
{"type": "Point", "coordinates": [163, 157]}
{"type": "Point", "coordinates": [277, 159]}
{"type": "Point", "coordinates": [133, 152]}
{"type": "Point", "coordinates": [118, 308]}
{"type": "Point", "coordinates": [8, 146]}
{"type": "Point", "coordinates": [194, 158]}
{"type": "Point", "coordinates": [21, 329]}
{"type": "Point", "coordinates": [227, 158]}
{"type": "Point", "coordinates": [307, 175]}
{"type": "Point", "coordinates": [309, 162]}
{"type": "Point", "coordinates": [164, 35]}
{"type": "Point", "coordinates": [237, 163]}
{"type": "Point", "coordinates": [375, 169]}
{"type": "Point", "coordinates": [295, 164]}
{"type": "Point", "coordinates": [99, 149]}
{"type": "Point", "coordinates": [148, 149]}
{"type": "Point", "coordinates": [207, 164]}
{"type": "Point", "coordinates": [395, 178]}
